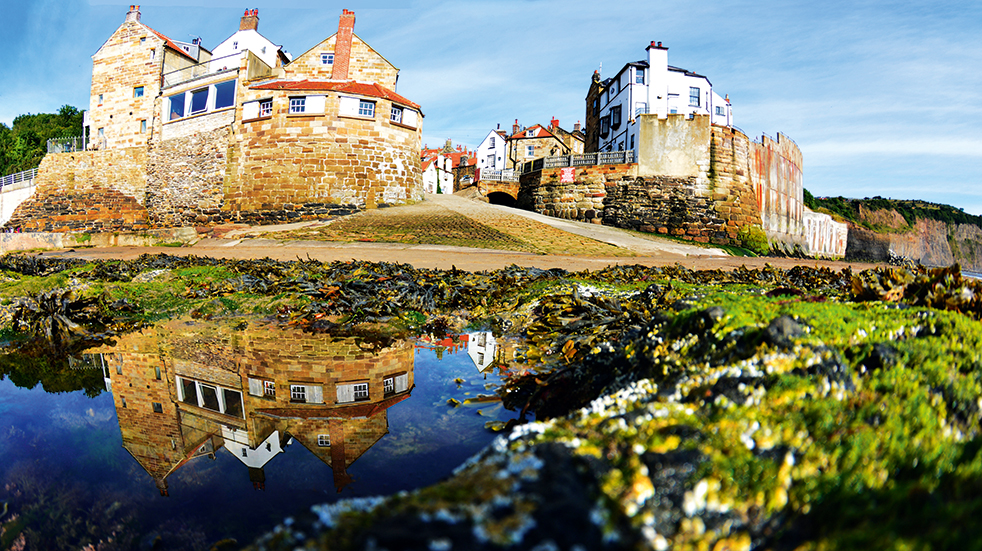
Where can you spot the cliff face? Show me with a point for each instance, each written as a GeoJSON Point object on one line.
{"type": "Point", "coordinates": [930, 242]}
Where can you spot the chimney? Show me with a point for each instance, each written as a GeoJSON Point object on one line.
{"type": "Point", "coordinates": [515, 128]}
{"type": "Point", "coordinates": [553, 124]}
{"type": "Point", "coordinates": [576, 127]}
{"type": "Point", "coordinates": [133, 14]}
{"type": "Point", "coordinates": [342, 45]}
{"type": "Point", "coordinates": [250, 21]}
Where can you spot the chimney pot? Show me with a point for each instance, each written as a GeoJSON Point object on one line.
{"type": "Point", "coordinates": [250, 21]}
{"type": "Point", "coordinates": [133, 14]}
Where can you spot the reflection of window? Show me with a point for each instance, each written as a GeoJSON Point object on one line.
{"type": "Point", "coordinates": [694, 96]}
{"type": "Point", "coordinates": [176, 106]}
{"type": "Point", "coordinates": [209, 396]}
{"type": "Point", "coordinates": [225, 94]}
{"type": "Point", "coordinates": [396, 115]}
{"type": "Point", "coordinates": [266, 108]}
{"type": "Point", "coordinates": [388, 386]}
{"type": "Point", "coordinates": [298, 393]}
{"type": "Point", "coordinates": [361, 392]}
{"type": "Point", "coordinates": [199, 101]}
{"type": "Point", "coordinates": [352, 392]}
{"type": "Point", "coordinates": [323, 440]}
{"type": "Point", "coordinates": [297, 105]}
{"type": "Point", "coordinates": [269, 389]}
{"type": "Point", "coordinates": [366, 108]}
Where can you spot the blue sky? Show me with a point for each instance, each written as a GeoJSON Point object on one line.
{"type": "Point", "coordinates": [883, 98]}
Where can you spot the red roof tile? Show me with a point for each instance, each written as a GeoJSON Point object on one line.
{"type": "Point", "coordinates": [540, 132]}
{"type": "Point", "coordinates": [371, 90]}
{"type": "Point", "coordinates": [170, 44]}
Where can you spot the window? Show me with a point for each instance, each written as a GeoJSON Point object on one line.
{"type": "Point", "coordinates": [615, 116]}
{"type": "Point", "coordinates": [297, 105]}
{"type": "Point", "coordinates": [102, 133]}
{"type": "Point", "coordinates": [596, 105]}
{"type": "Point", "coordinates": [199, 101]}
{"type": "Point", "coordinates": [225, 94]}
{"type": "Point", "coordinates": [327, 58]}
{"type": "Point", "coordinates": [530, 133]}
{"type": "Point", "coordinates": [632, 141]}
{"type": "Point", "coordinates": [396, 115]}
{"type": "Point", "coordinates": [158, 407]}
{"type": "Point", "coordinates": [366, 108]}
{"type": "Point", "coordinates": [176, 107]}
{"type": "Point", "coordinates": [605, 125]}
{"type": "Point", "coordinates": [143, 130]}
{"type": "Point", "coordinates": [388, 386]}
{"type": "Point", "coordinates": [100, 99]}
{"type": "Point", "coordinates": [143, 39]}
{"type": "Point", "coordinates": [138, 92]}
{"type": "Point", "coordinates": [719, 109]}
{"type": "Point", "coordinates": [209, 396]}
{"type": "Point", "coordinates": [269, 389]}
{"type": "Point", "coordinates": [156, 372]}
{"type": "Point", "coordinates": [361, 392]}
{"type": "Point", "coordinates": [298, 393]}
{"type": "Point", "coordinates": [153, 53]}
{"type": "Point", "coordinates": [639, 76]}
{"type": "Point", "coordinates": [235, 45]}
{"type": "Point", "coordinates": [265, 108]}
{"type": "Point", "coordinates": [694, 96]}
{"type": "Point", "coordinates": [352, 392]}
{"type": "Point", "coordinates": [323, 440]}
{"type": "Point", "coordinates": [491, 142]}
{"type": "Point", "coordinates": [530, 151]}
{"type": "Point", "coordinates": [490, 161]}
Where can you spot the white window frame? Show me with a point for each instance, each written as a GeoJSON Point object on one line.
{"type": "Point", "coordinates": [327, 58]}
{"type": "Point", "coordinates": [366, 108]}
{"type": "Point", "coordinates": [361, 392]}
{"type": "Point", "coordinates": [298, 104]}
{"type": "Point", "coordinates": [396, 114]}
{"type": "Point", "coordinates": [190, 104]}
{"type": "Point", "coordinates": [323, 440]}
{"type": "Point", "coordinates": [269, 389]}
{"type": "Point", "coordinates": [266, 108]}
{"type": "Point", "coordinates": [199, 397]}
{"type": "Point", "coordinates": [694, 94]}
{"type": "Point", "coordinates": [639, 76]}
{"type": "Point", "coordinates": [530, 133]}
{"type": "Point", "coordinates": [389, 386]}
{"type": "Point", "coordinates": [529, 150]}
{"type": "Point", "coordinates": [298, 393]}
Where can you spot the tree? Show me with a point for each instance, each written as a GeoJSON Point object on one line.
{"type": "Point", "coordinates": [24, 145]}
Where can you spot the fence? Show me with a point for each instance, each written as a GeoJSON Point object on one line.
{"type": "Point", "coordinates": [507, 175]}
{"type": "Point", "coordinates": [214, 66]}
{"type": "Point", "coordinates": [68, 145]}
{"type": "Point", "coordinates": [586, 159]}
{"type": "Point", "coordinates": [25, 176]}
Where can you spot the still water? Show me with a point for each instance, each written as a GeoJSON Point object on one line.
{"type": "Point", "coordinates": [207, 431]}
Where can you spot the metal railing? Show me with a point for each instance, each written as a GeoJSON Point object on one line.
{"type": "Point", "coordinates": [585, 159]}
{"type": "Point", "coordinates": [224, 64]}
{"type": "Point", "coordinates": [25, 176]}
{"type": "Point", "coordinates": [507, 175]}
{"type": "Point", "coordinates": [68, 145]}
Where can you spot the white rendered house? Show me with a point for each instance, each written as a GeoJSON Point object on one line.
{"type": "Point", "coordinates": [247, 38]}
{"type": "Point", "coordinates": [491, 151]}
{"type": "Point", "coordinates": [653, 86]}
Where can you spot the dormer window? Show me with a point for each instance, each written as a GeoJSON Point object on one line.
{"type": "Point", "coordinates": [327, 58]}
{"type": "Point", "coordinates": [530, 133]}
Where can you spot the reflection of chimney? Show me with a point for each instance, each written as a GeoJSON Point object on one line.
{"type": "Point", "coordinates": [342, 45]}
{"type": "Point", "coordinates": [133, 14]}
{"type": "Point", "coordinates": [339, 464]}
{"type": "Point", "coordinates": [250, 21]}
{"type": "Point", "coordinates": [258, 478]}
{"type": "Point", "coordinates": [162, 486]}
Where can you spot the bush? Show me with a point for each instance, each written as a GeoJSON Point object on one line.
{"type": "Point", "coordinates": [752, 237]}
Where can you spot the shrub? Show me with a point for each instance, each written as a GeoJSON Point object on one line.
{"type": "Point", "coordinates": [752, 237]}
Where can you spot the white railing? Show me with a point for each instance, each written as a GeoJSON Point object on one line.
{"type": "Point", "coordinates": [586, 159]}
{"type": "Point", "coordinates": [507, 175]}
{"type": "Point", "coordinates": [25, 176]}
{"type": "Point", "coordinates": [224, 64]}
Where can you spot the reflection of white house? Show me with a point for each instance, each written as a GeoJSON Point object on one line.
{"type": "Point", "coordinates": [481, 348]}
{"type": "Point", "coordinates": [237, 442]}
{"type": "Point", "coordinates": [491, 151]}
{"type": "Point", "coordinates": [653, 86]}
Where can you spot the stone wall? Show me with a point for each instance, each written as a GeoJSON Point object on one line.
{"type": "Point", "coordinates": [364, 65]}
{"type": "Point", "coordinates": [185, 178]}
{"type": "Point", "coordinates": [88, 191]}
{"type": "Point", "coordinates": [775, 171]}
{"type": "Point", "coordinates": [675, 146]}
{"type": "Point", "coordinates": [581, 199]}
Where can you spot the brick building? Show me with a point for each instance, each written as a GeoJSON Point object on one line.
{"type": "Point", "coordinates": [182, 137]}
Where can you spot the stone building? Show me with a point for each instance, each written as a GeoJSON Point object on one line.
{"type": "Point", "coordinates": [536, 142]}
{"type": "Point", "coordinates": [189, 138]}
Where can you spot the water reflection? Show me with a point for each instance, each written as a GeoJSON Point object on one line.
{"type": "Point", "coordinates": [184, 391]}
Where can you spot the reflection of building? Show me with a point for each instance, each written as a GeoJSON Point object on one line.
{"type": "Point", "coordinates": [181, 392]}
{"type": "Point", "coordinates": [486, 351]}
